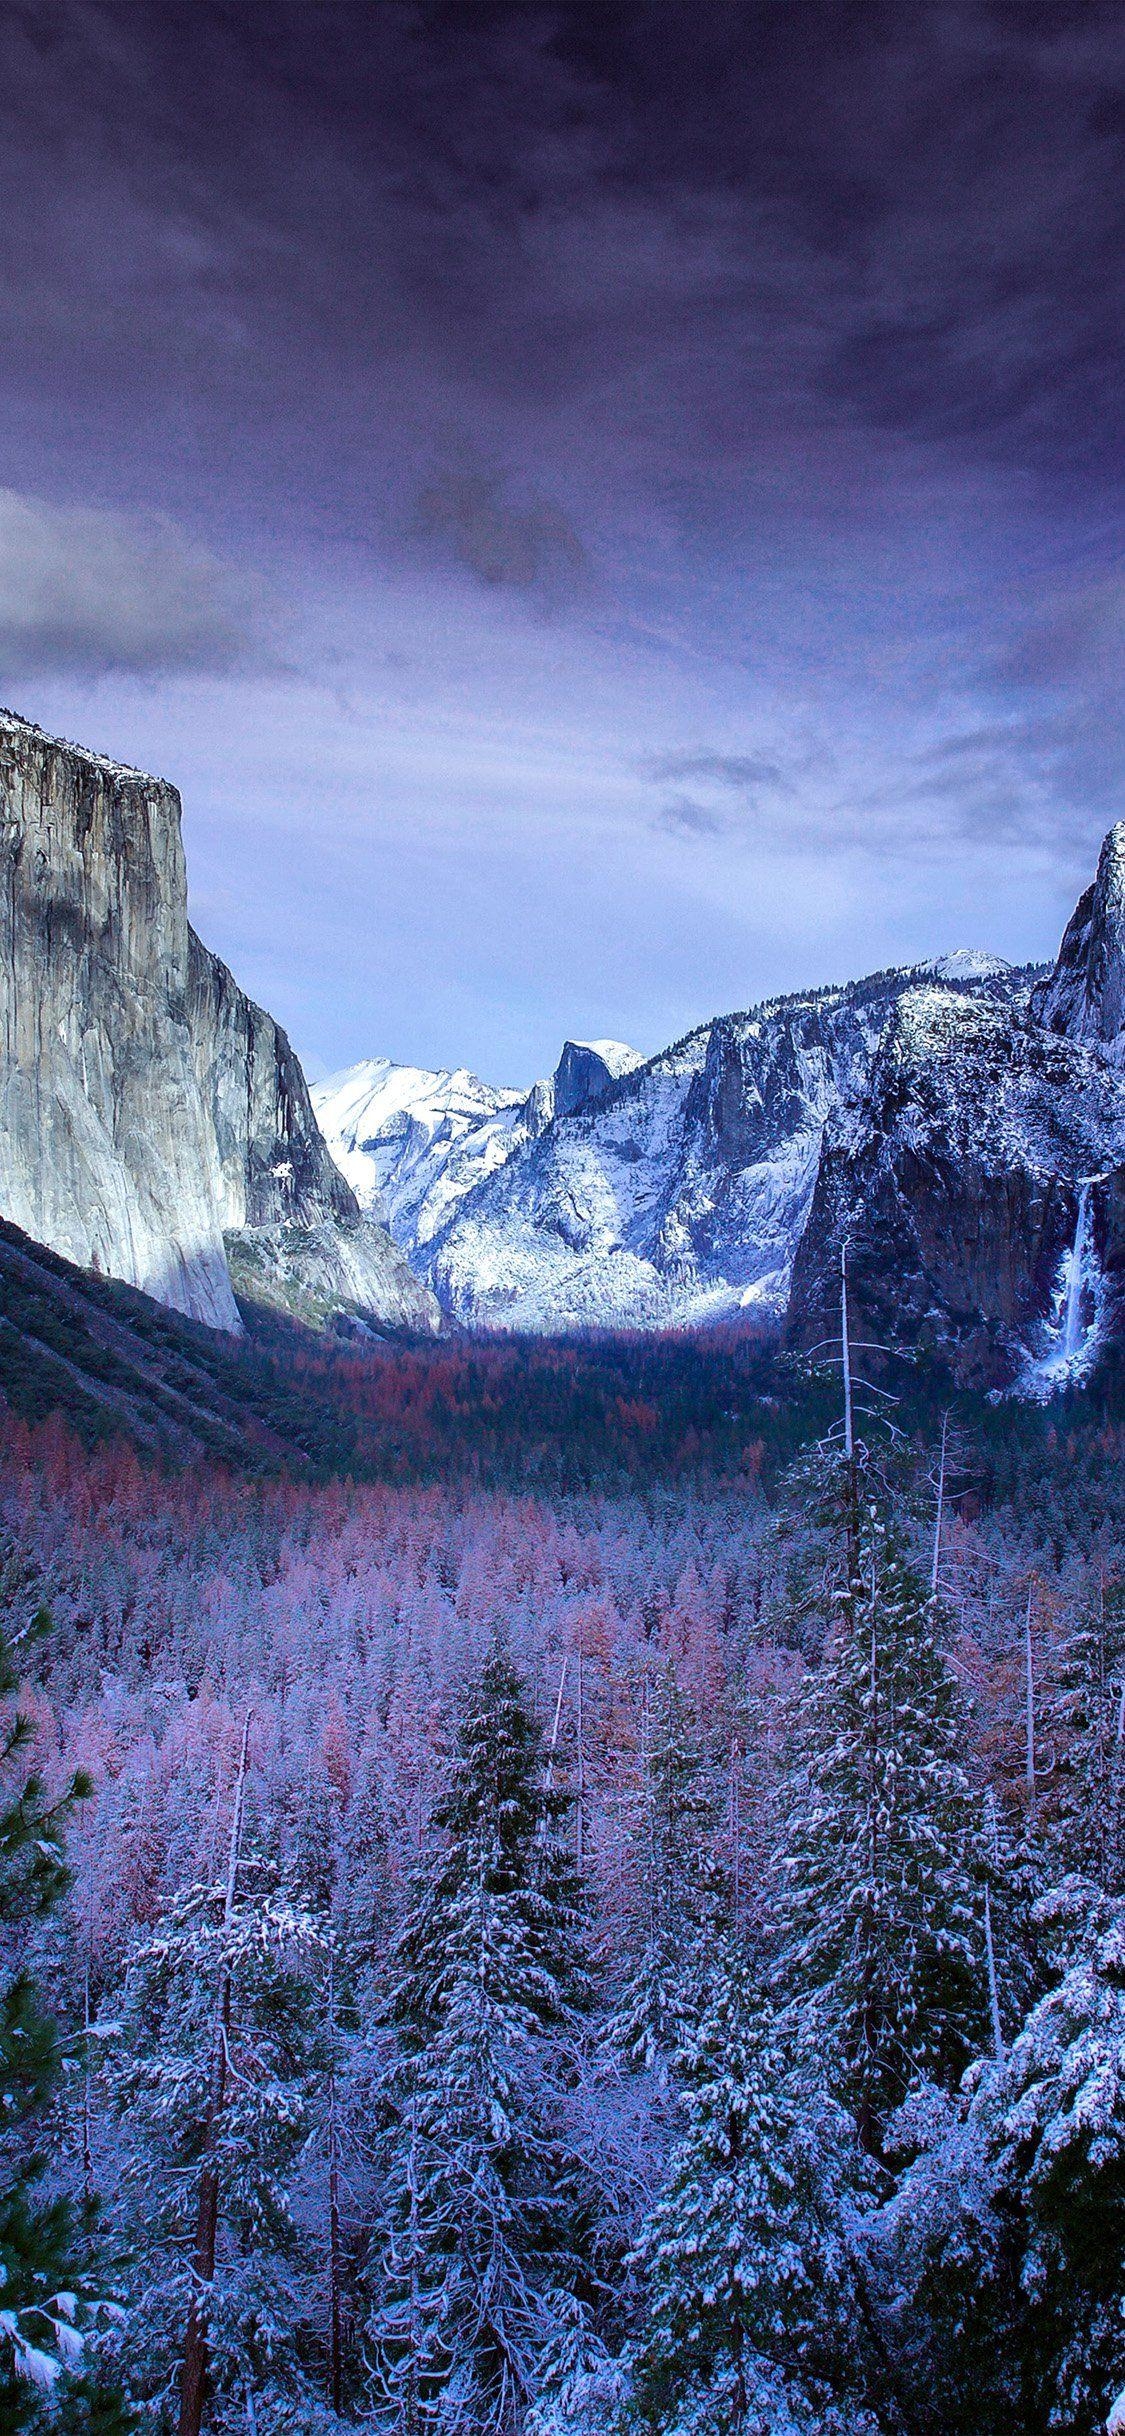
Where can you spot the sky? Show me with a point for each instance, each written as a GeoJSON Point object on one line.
{"type": "Point", "coordinates": [605, 513]}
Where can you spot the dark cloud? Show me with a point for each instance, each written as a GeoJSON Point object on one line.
{"type": "Point", "coordinates": [734, 794]}
{"type": "Point", "coordinates": [743, 772]}
{"type": "Point", "coordinates": [499, 537]}
{"type": "Point", "coordinates": [697, 243]}
{"type": "Point", "coordinates": [796, 331]}
{"type": "Point", "coordinates": [682, 816]}
{"type": "Point", "coordinates": [1075, 636]}
{"type": "Point", "coordinates": [84, 592]}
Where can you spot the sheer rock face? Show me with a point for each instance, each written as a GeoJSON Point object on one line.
{"type": "Point", "coordinates": [106, 1153]}
{"type": "Point", "coordinates": [274, 1165]}
{"type": "Point", "coordinates": [954, 1183]}
{"type": "Point", "coordinates": [146, 1105]}
{"type": "Point", "coordinates": [587, 1069]}
{"type": "Point", "coordinates": [1084, 997]}
{"type": "Point", "coordinates": [955, 1177]}
{"type": "Point", "coordinates": [680, 1191]}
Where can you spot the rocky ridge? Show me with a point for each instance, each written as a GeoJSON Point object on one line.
{"type": "Point", "coordinates": [959, 1125]}
{"type": "Point", "coordinates": [677, 1191]}
{"type": "Point", "coordinates": [416, 1143]}
{"type": "Point", "coordinates": [979, 1180]}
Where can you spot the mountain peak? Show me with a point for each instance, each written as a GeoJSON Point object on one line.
{"type": "Point", "coordinates": [1084, 997]}
{"type": "Point", "coordinates": [587, 1068]}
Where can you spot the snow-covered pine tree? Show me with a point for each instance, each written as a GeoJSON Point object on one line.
{"type": "Point", "coordinates": [1086, 1819]}
{"type": "Point", "coordinates": [485, 2209]}
{"type": "Point", "coordinates": [752, 2315]}
{"type": "Point", "coordinates": [216, 2062]}
{"type": "Point", "coordinates": [337, 1868]}
{"type": "Point", "coordinates": [678, 1902]}
{"type": "Point", "coordinates": [880, 1898]}
{"type": "Point", "coordinates": [43, 2378]}
{"type": "Point", "coordinates": [1002, 2256]}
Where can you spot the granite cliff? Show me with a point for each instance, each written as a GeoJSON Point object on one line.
{"type": "Point", "coordinates": [152, 1118]}
{"type": "Point", "coordinates": [678, 1189]}
{"type": "Point", "coordinates": [978, 1179]}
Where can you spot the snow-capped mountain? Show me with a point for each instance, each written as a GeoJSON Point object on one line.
{"type": "Point", "coordinates": [956, 1184]}
{"type": "Point", "coordinates": [979, 1182]}
{"type": "Point", "coordinates": [414, 1143]}
{"type": "Point", "coordinates": [627, 1193]}
{"type": "Point", "coordinates": [683, 1192]}
{"type": "Point", "coordinates": [959, 1123]}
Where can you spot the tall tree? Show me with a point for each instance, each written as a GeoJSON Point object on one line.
{"type": "Point", "coordinates": [677, 1890]}
{"type": "Point", "coordinates": [752, 2316]}
{"type": "Point", "coordinates": [485, 2206]}
{"type": "Point", "coordinates": [1002, 2259]}
{"type": "Point", "coordinates": [44, 2263]}
{"type": "Point", "coordinates": [1086, 1821]}
{"type": "Point", "coordinates": [881, 1892]}
{"type": "Point", "coordinates": [217, 2063]}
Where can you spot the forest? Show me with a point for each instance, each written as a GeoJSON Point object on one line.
{"type": "Point", "coordinates": [591, 1905]}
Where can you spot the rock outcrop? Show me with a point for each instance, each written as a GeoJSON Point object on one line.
{"type": "Point", "coordinates": [682, 1190]}
{"type": "Point", "coordinates": [274, 1165]}
{"type": "Point", "coordinates": [954, 1181]}
{"type": "Point", "coordinates": [587, 1069]}
{"type": "Point", "coordinates": [416, 1142]}
{"type": "Point", "coordinates": [1084, 996]}
{"type": "Point", "coordinates": [148, 1109]}
{"type": "Point", "coordinates": [106, 1152]}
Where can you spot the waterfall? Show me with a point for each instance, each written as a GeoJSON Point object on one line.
{"type": "Point", "coordinates": [1077, 1261]}
{"type": "Point", "coordinates": [1073, 1332]}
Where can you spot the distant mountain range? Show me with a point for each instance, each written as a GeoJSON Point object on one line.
{"type": "Point", "coordinates": [959, 1125]}
{"type": "Point", "coordinates": [956, 1127]}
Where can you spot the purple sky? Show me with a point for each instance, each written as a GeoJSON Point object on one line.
{"type": "Point", "coordinates": [604, 511]}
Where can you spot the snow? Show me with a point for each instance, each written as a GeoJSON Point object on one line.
{"type": "Point", "coordinates": [412, 1140]}
{"type": "Point", "coordinates": [12, 725]}
{"type": "Point", "coordinates": [616, 1054]}
{"type": "Point", "coordinates": [682, 1194]}
{"type": "Point", "coordinates": [969, 964]}
{"type": "Point", "coordinates": [678, 1197]}
{"type": "Point", "coordinates": [643, 1210]}
{"type": "Point", "coordinates": [1076, 1325]}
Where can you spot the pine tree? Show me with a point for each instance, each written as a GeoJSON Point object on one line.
{"type": "Point", "coordinates": [1004, 2253]}
{"type": "Point", "coordinates": [881, 1894]}
{"type": "Point", "coordinates": [1087, 1729]}
{"type": "Point", "coordinates": [484, 2205]}
{"type": "Point", "coordinates": [751, 2300]}
{"type": "Point", "coordinates": [216, 2067]}
{"type": "Point", "coordinates": [38, 2305]}
{"type": "Point", "coordinates": [679, 1897]}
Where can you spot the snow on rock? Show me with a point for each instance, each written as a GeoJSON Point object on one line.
{"type": "Point", "coordinates": [961, 1121]}
{"type": "Point", "coordinates": [1084, 997]}
{"type": "Point", "coordinates": [969, 964]}
{"type": "Point", "coordinates": [415, 1143]}
{"type": "Point", "coordinates": [411, 1141]}
{"type": "Point", "coordinates": [586, 1070]}
{"type": "Point", "coordinates": [957, 1182]}
{"type": "Point", "coordinates": [679, 1195]}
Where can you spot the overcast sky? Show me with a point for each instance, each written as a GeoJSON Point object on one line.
{"type": "Point", "coordinates": [604, 511]}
